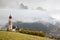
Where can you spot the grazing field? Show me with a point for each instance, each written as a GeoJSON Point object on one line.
{"type": "Point", "coordinates": [4, 35]}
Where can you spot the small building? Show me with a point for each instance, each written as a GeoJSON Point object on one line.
{"type": "Point", "coordinates": [11, 27]}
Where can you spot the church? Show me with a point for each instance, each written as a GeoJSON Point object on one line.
{"type": "Point", "coordinates": [10, 26]}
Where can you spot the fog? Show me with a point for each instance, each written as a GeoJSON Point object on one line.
{"type": "Point", "coordinates": [29, 10]}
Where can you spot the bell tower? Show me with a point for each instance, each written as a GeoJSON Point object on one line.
{"type": "Point", "coordinates": [9, 23]}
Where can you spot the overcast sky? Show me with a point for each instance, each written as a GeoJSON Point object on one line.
{"type": "Point", "coordinates": [29, 10]}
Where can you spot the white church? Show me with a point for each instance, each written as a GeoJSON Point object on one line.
{"type": "Point", "coordinates": [10, 26]}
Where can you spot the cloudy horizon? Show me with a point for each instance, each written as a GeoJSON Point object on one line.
{"type": "Point", "coordinates": [29, 10]}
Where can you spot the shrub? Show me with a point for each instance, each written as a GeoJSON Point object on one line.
{"type": "Point", "coordinates": [33, 32]}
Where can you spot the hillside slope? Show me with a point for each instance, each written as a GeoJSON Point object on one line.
{"type": "Point", "coordinates": [4, 35]}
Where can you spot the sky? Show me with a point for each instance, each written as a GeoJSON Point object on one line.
{"type": "Point", "coordinates": [29, 10]}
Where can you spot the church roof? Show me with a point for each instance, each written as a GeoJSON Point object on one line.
{"type": "Point", "coordinates": [10, 16]}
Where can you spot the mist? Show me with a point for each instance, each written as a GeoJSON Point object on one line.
{"type": "Point", "coordinates": [29, 11]}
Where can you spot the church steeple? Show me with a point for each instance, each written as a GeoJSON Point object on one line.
{"type": "Point", "coordinates": [10, 17]}
{"type": "Point", "coordinates": [10, 23]}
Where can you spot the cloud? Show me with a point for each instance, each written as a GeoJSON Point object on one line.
{"type": "Point", "coordinates": [22, 6]}
{"type": "Point", "coordinates": [12, 4]}
{"type": "Point", "coordinates": [23, 14]}
{"type": "Point", "coordinates": [2, 4]}
{"type": "Point", "coordinates": [40, 8]}
{"type": "Point", "coordinates": [9, 4]}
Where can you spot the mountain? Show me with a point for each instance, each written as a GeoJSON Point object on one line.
{"type": "Point", "coordinates": [43, 24]}
{"type": "Point", "coordinates": [40, 25]}
{"type": "Point", "coordinates": [35, 26]}
{"type": "Point", "coordinates": [46, 26]}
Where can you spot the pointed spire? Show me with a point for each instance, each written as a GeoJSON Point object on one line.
{"type": "Point", "coordinates": [10, 17]}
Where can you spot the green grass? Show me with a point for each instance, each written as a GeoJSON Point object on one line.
{"type": "Point", "coordinates": [4, 35]}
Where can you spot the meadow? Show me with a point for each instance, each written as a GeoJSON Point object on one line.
{"type": "Point", "coordinates": [5, 35]}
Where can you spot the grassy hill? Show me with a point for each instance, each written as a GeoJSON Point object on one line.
{"type": "Point", "coordinates": [4, 35]}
